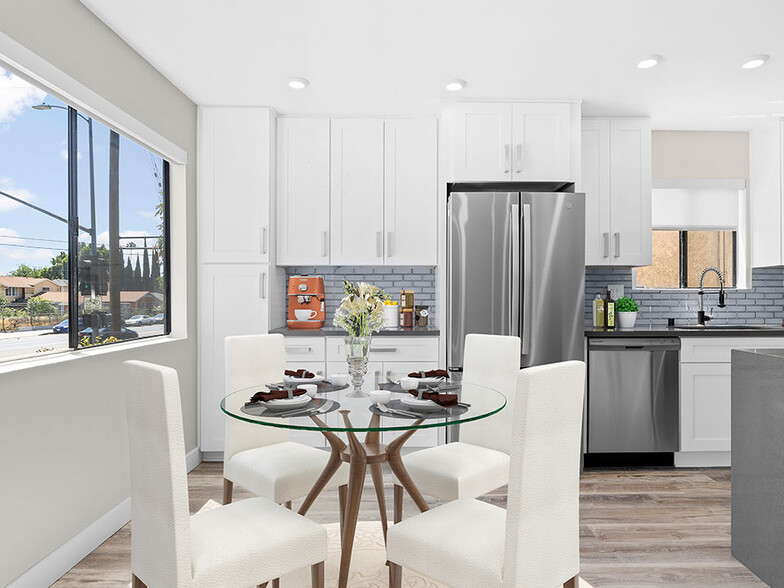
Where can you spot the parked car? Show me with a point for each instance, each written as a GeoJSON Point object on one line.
{"type": "Point", "coordinates": [158, 319]}
{"type": "Point", "coordinates": [139, 320]}
{"type": "Point", "coordinates": [62, 327]}
{"type": "Point", "coordinates": [107, 332]}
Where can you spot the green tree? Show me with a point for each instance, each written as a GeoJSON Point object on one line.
{"type": "Point", "coordinates": [3, 305]}
{"type": "Point", "coordinates": [37, 306]}
{"type": "Point", "coordinates": [25, 271]}
{"type": "Point", "coordinates": [58, 269]}
{"type": "Point", "coordinates": [137, 276]}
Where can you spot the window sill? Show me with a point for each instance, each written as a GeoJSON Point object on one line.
{"type": "Point", "coordinates": [66, 355]}
{"type": "Point", "coordinates": [707, 290]}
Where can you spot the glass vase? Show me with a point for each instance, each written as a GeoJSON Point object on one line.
{"type": "Point", "coordinates": [357, 356]}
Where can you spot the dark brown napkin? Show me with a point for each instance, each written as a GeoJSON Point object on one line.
{"type": "Point", "coordinates": [429, 374]}
{"type": "Point", "coordinates": [299, 374]}
{"type": "Point", "coordinates": [264, 396]}
{"type": "Point", "coordinates": [440, 399]}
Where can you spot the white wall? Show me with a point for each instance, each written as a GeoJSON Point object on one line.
{"type": "Point", "coordinates": [62, 426]}
{"type": "Point", "coordinates": [700, 155]}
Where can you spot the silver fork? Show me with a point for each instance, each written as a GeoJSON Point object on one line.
{"type": "Point", "coordinates": [387, 410]}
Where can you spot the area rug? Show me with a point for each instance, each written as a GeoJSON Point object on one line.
{"type": "Point", "coordinates": [368, 561]}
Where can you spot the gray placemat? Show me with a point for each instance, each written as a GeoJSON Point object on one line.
{"type": "Point", "coordinates": [323, 387]}
{"type": "Point", "coordinates": [444, 412]}
{"type": "Point", "coordinates": [445, 387]}
{"type": "Point", "coordinates": [258, 409]}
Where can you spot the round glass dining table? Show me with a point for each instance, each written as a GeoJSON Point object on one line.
{"type": "Point", "coordinates": [332, 412]}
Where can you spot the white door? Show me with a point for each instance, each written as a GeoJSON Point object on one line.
{"type": "Point", "coordinates": [303, 191]}
{"type": "Point", "coordinates": [705, 406]}
{"type": "Point", "coordinates": [410, 192]}
{"type": "Point", "coordinates": [357, 192]}
{"type": "Point", "coordinates": [483, 141]}
{"type": "Point", "coordinates": [630, 189]}
{"type": "Point", "coordinates": [235, 155]}
{"type": "Point", "coordinates": [596, 185]}
{"type": "Point", "coordinates": [233, 300]}
{"type": "Point", "coordinates": [541, 141]}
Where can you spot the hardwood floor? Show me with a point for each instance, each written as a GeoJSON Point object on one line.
{"type": "Point", "coordinates": [640, 528]}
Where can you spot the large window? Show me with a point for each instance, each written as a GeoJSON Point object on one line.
{"type": "Point", "coordinates": [83, 229]}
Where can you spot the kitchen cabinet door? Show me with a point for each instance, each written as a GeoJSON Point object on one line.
{"type": "Point", "coordinates": [766, 159]}
{"type": "Point", "coordinates": [236, 151]}
{"type": "Point", "coordinates": [595, 183]}
{"type": "Point", "coordinates": [357, 192]}
{"type": "Point", "coordinates": [233, 300]}
{"type": "Point", "coordinates": [410, 192]}
{"type": "Point", "coordinates": [541, 141]}
{"type": "Point", "coordinates": [482, 141]}
{"type": "Point", "coordinates": [705, 407]}
{"type": "Point", "coordinates": [630, 189]}
{"type": "Point", "coordinates": [303, 191]}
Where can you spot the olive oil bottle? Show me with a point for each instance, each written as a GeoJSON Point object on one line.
{"type": "Point", "coordinates": [598, 311]}
{"type": "Point", "coordinates": [609, 310]}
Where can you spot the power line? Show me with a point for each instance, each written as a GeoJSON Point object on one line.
{"type": "Point", "coordinates": [27, 246]}
{"type": "Point", "coordinates": [33, 239]}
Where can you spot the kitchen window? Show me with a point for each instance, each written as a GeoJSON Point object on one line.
{"type": "Point", "coordinates": [696, 225]}
{"type": "Point", "coordinates": [84, 239]}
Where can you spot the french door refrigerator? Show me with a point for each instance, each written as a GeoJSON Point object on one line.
{"type": "Point", "coordinates": [516, 266]}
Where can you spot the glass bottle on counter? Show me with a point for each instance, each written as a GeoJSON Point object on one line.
{"type": "Point", "coordinates": [598, 311]}
{"type": "Point", "coordinates": [609, 311]}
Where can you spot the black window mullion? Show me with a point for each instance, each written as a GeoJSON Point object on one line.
{"type": "Point", "coordinates": [166, 250]}
{"type": "Point", "coordinates": [683, 254]}
{"type": "Point", "coordinates": [73, 233]}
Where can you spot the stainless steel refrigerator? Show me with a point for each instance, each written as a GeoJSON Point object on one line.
{"type": "Point", "coordinates": [516, 266]}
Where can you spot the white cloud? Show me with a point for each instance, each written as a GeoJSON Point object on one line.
{"type": "Point", "coordinates": [147, 213]}
{"type": "Point", "coordinates": [16, 95]}
{"type": "Point", "coordinates": [103, 238]}
{"type": "Point", "coordinates": [64, 154]}
{"type": "Point", "coordinates": [7, 185]}
{"type": "Point", "coordinates": [11, 237]}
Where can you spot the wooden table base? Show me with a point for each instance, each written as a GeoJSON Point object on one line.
{"type": "Point", "coordinates": [361, 457]}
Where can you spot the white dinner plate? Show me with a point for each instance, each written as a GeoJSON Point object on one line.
{"type": "Point", "coordinates": [314, 380]}
{"type": "Point", "coordinates": [420, 405]}
{"type": "Point", "coordinates": [429, 381]}
{"type": "Point", "coordinates": [286, 403]}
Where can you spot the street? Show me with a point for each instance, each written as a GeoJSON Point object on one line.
{"type": "Point", "coordinates": [28, 342]}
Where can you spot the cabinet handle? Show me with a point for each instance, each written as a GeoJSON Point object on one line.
{"type": "Point", "coordinates": [383, 349]}
{"type": "Point", "coordinates": [263, 285]}
{"type": "Point", "coordinates": [507, 158]}
{"type": "Point", "coordinates": [323, 243]}
{"type": "Point", "coordinates": [617, 244]}
{"type": "Point", "coordinates": [389, 243]}
{"type": "Point", "coordinates": [264, 240]}
{"type": "Point", "coordinates": [519, 158]}
{"type": "Point", "coordinates": [606, 237]}
{"type": "Point", "coordinates": [298, 349]}
{"type": "Point", "coordinates": [379, 244]}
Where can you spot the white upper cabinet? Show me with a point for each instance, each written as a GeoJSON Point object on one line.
{"type": "Point", "coordinates": [410, 187]}
{"type": "Point", "coordinates": [303, 191]}
{"type": "Point", "coordinates": [521, 141]}
{"type": "Point", "coordinates": [766, 158]}
{"type": "Point", "coordinates": [235, 155]}
{"type": "Point", "coordinates": [357, 192]}
{"type": "Point", "coordinates": [541, 142]}
{"type": "Point", "coordinates": [616, 178]}
{"type": "Point", "coordinates": [482, 141]}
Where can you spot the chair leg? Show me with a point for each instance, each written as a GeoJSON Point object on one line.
{"type": "Point", "coordinates": [398, 500]}
{"type": "Point", "coordinates": [264, 585]}
{"type": "Point", "coordinates": [395, 575]}
{"type": "Point", "coordinates": [572, 582]}
{"type": "Point", "coordinates": [317, 575]}
{"type": "Point", "coordinates": [288, 504]}
{"type": "Point", "coordinates": [136, 582]}
{"type": "Point", "coordinates": [342, 494]}
{"type": "Point", "coordinates": [276, 583]}
{"type": "Point", "coordinates": [228, 491]}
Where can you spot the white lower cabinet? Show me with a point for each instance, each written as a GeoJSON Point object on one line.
{"type": "Point", "coordinates": [705, 407]}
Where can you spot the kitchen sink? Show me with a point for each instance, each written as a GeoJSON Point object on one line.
{"type": "Point", "coordinates": [729, 327]}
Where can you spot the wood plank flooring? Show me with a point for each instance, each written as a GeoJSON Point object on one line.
{"type": "Point", "coordinates": [639, 528]}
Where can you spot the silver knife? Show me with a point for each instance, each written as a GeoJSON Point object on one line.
{"type": "Point", "coordinates": [309, 411]}
{"type": "Point", "coordinates": [386, 409]}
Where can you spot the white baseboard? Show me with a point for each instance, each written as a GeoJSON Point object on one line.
{"type": "Point", "coordinates": [212, 456]}
{"type": "Point", "coordinates": [703, 459]}
{"type": "Point", "coordinates": [47, 571]}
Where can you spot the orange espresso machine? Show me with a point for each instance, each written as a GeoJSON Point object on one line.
{"type": "Point", "coordinates": [306, 302]}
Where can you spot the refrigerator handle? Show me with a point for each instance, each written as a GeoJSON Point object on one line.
{"type": "Point", "coordinates": [514, 313]}
{"type": "Point", "coordinates": [526, 330]}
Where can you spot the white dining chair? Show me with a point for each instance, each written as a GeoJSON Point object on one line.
{"type": "Point", "coordinates": [262, 459]}
{"type": "Point", "coordinates": [479, 462]}
{"type": "Point", "coordinates": [535, 542]}
{"type": "Point", "coordinates": [244, 544]}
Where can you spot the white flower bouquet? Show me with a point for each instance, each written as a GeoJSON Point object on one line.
{"type": "Point", "coordinates": [361, 312]}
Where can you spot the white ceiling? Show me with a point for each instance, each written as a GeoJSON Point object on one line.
{"type": "Point", "coordinates": [394, 57]}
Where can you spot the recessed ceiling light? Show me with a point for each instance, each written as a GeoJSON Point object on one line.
{"type": "Point", "coordinates": [754, 61]}
{"type": "Point", "coordinates": [456, 85]}
{"type": "Point", "coordinates": [648, 61]}
{"type": "Point", "coordinates": [298, 83]}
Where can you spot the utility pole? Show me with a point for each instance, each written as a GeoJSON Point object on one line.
{"type": "Point", "coordinates": [115, 253]}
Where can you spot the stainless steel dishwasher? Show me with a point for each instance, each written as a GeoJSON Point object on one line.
{"type": "Point", "coordinates": [633, 395]}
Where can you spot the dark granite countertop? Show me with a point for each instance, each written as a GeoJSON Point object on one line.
{"type": "Point", "coordinates": [712, 331]}
{"type": "Point", "coordinates": [335, 332]}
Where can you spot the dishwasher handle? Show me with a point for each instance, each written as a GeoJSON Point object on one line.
{"type": "Point", "coordinates": [634, 343]}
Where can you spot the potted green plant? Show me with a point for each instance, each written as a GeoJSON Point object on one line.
{"type": "Point", "coordinates": [626, 312]}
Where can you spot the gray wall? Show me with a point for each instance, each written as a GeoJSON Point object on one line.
{"type": "Point", "coordinates": [62, 426]}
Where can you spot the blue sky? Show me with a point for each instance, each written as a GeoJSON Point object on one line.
{"type": "Point", "coordinates": [33, 166]}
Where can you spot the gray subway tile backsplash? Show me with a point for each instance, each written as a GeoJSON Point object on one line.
{"type": "Point", "coordinates": [762, 303]}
